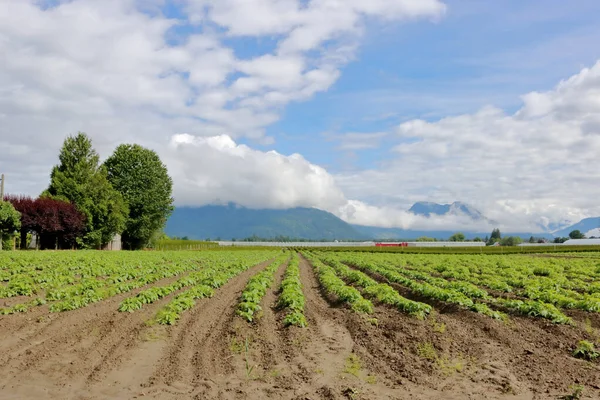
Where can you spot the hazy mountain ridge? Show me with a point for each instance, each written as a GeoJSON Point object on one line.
{"type": "Point", "coordinates": [235, 222]}
{"type": "Point", "coordinates": [427, 209]}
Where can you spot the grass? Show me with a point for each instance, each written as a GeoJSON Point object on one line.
{"type": "Point", "coordinates": [577, 392]}
{"type": "Point", "coordinates": [249, 368]}
{"type": "Point", "coordinates": [427, 351]}
{"type": "Point", "coordinates": [353, 365]}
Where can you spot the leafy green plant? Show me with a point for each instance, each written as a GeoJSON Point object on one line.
{"type": "Point", "coordinates": [291, 297]}
{"type": "Point", "coordinates": [256, 288]}
{"type": "Point", "coordinates": [586, 351]}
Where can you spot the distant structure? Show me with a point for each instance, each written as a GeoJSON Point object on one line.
{"type": "Point", "coordinates": [114, 244]}
{"type": "Point", "coordinates": [582, 242]}
{"type": "Point", "coordinates": [354, 244]}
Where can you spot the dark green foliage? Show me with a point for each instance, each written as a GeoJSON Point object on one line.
{"type": "Point", "coordinates": [80, 179]}
{"type": "Point", "coordinates": [511, 241]}
{"type": "Point", "coordinates": [143, 181]}
{"type": "Point", "coordinates": [457, 237]}
{"type": "Point", "coordinates": [576, 234]}
{"type": "Point", "coordinates": [10, 221]}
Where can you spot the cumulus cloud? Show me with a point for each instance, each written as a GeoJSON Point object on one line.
{"type": "Point", "coordinates": [123, 74]}
{"type": "Point", "coordinates": [532, 168]}
{"type": "Point", "coordinates": [122, 71]}
{"type": "Point", "coordinates": [217, 170]}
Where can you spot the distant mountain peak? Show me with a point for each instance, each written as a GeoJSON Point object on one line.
{"type": "Point", "coordinates": [427, 208]}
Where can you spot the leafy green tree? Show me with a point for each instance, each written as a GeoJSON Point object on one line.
{"type": "Point", "coordinates": [511, 241]}
{"type": "Point", "coordinates": [141, 177]}
{"type": "Point", "coordinates": [426, 239]}
{"type": "Point", "coordinates": [576, 234]}
{"type": "Point", "coordinates": [560, 239]}
{"type": "Point", "coordinates": [477, 239]}
{"type": "Point", "coordinates": [457, 237]}
{"type": "Point", "coordinates": [10, 220]}
{"type": "Point", "coordinates": [80, 179]}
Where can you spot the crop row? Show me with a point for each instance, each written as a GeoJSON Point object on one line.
{"type": "Point", "coordinates": [335, 286]}
{"type": "Point", "coordinates": [382, 292]}
{"type": "Point", "coordinates": [541, 285]}
{"type": "Point", "coordinates": [534, 308]}
{"type": "Point", "coordinates": [291, 298]}
{"type": "Point", "coordinates": [170, 313]}
{"type": "Point", "coordinates": [256, 288]}
{"type": "Point", "coordinates": [131, 276]}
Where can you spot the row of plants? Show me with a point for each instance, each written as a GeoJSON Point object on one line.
{"type": "Point", "coordinates": [541, 283]}
{"type": "Point", "coordinates": [132, 271]}
{"type": "Point", "coordinates": [384, 293]}
{"type": "Point", "coordinates": [207, 273]}
{"type": "Point", "coordinates": [256, 288]}
{"type": "Point", "coordinates": [423, 289]}
{"type": "Point", "coordinates": [333, 285]}
{"type": "Point", "coordinates": [535, 308]}
{"type": "Point", "coordinates": [291, 298]}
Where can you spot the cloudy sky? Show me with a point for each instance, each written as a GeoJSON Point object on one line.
{"type": "Point", "coordinates": [357, 107]}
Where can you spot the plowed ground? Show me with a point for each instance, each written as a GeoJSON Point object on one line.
{"type": "Point", "coordinates": [99, 353]}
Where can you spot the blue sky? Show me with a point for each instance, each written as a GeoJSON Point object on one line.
{"type": "Point", "coordinates": [479, 53]}
{"type": "Point", "coordinates": [386, 102]}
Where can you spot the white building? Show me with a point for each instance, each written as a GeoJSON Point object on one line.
{"type": "Point", "coordinates": [582, 242]}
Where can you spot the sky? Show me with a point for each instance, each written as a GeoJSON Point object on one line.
{"type": "Point", "coordinates": [360, 108]}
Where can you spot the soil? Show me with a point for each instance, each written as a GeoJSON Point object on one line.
{"type": "Point", "coordinates": [212, 353]}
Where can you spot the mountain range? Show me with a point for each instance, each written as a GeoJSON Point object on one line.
{"type": "Point", "coordinates": [235, 222]}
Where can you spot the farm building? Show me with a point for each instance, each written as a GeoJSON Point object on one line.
{"type": "Point", "coordinates": [582, 242]}
{"type": "Point", "coordinates": [446, 244]}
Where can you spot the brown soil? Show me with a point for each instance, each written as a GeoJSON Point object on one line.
{"type": "Point", "coordinates": [99, 353]}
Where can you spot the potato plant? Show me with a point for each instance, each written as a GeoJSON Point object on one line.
{"type": "Point", "coordinates": [291, 298]}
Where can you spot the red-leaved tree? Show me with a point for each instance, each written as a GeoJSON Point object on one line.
{"type": "Point", "coordinates": [57, 223]}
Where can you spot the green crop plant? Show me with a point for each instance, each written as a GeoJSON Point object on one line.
{"type": "Point", "coordinates": [256, 288]}
{"type": "Point", "coordinates": [586, 350]}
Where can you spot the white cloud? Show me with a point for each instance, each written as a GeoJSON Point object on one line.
{"type": "Point", "coordinates": [218, 170]}
{"type": "Point", "coordinates": [536, 166]}
{"type": "Point", "coordinates": [113, 71]}
{"type": "Point", "coordinates": [123, 72]}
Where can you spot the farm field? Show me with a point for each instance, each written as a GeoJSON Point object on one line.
{"type": "Point", "coordinates": [313, 324]}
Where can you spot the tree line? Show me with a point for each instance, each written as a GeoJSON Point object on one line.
{"type": "Point", "coordinates": [88, 202]}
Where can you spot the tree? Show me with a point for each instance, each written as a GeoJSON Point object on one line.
{"type": "Point", "coordinates": [495, 237]}
{"type": "Point", "coordinates": [576, 234]}
{"type": "Point", "coordinates": [426, 239]}
{"type": "Point", "coordinates": [80, 179]}
{"type": "Point", "coordinates": [511, 241]}
{"type": "Point", "coordinates": [477, 239]}
{"type": "Point", "coordinates": [142, 179]}
{"type": "Point", "coordinates": [457, 237]}
{"type": "Point", "coordinates": [10, 220]}
{"type": "Point", "coordinates": [560, 239]}
{"type": "Point", "coordinates": [25, 205]}
{"type": "Point", "coordinates": [57, 223]}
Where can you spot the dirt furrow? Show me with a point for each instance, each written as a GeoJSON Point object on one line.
{"type": "Point", "coordinates": [196, 353]}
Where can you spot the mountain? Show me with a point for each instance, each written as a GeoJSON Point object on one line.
{"type": "Point", "coordinates": [584, 226]}
{"type": "Point", "coordinates": [427, 209]}
{"type": "Point", "coordinates": [234, 222]}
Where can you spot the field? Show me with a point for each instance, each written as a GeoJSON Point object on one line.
{"type": "Point", "coordinates": [312, 324]}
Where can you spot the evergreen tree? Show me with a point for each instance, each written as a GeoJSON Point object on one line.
{"type": "Point", "coordinates": [80, 179]}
